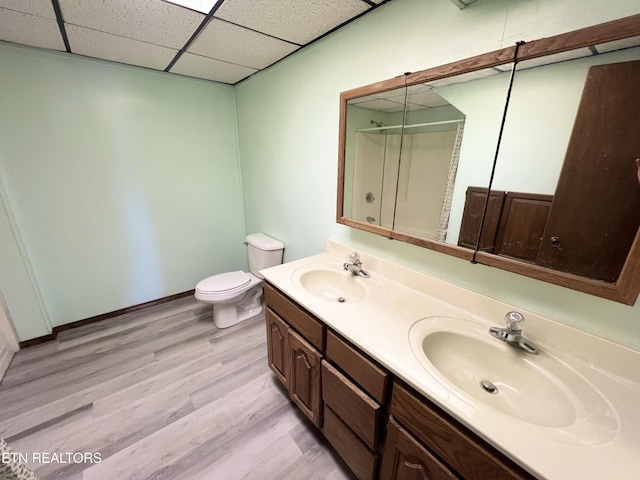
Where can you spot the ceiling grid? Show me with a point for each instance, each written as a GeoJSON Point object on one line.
{"type": "Point", "coordinates": [234, 40]}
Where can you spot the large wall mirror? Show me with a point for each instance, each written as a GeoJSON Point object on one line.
{"type": "Point", "coordinates": [412, 152]}
{"type": "Point", "coordinates": [417, 151]}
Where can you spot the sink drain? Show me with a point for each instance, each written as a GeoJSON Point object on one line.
{"type": "Point", "coordinates": [489, 387]}
{"type": "Point", "coordinates": [342, 299]}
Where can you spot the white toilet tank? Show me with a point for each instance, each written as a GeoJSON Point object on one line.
{"type": "Point", "coordinates": [264, 252]}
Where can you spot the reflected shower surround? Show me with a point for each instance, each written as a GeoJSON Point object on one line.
{"type": "Point", "coordinates": [409, 192]}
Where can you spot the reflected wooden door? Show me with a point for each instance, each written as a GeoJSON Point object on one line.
{"type": "Point", "coordinates": [472, 219]}
{"type": "Point", "coordinates": [596, 209]}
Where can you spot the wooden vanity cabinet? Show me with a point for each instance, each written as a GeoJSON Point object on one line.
{"type": "Point", "coordinates": [379, 433]}
{"type": "Point", "coordinates": [294, 345]}
{"type": "Point", "coordinates": [459, 450]}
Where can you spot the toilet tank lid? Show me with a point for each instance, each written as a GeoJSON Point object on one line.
{"type": "Point", "coordinates": [264, 242]}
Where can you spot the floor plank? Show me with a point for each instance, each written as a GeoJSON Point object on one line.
{"type": "Point", "coordinates": [160, 393]}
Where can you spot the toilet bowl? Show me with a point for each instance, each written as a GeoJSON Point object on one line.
{"type": "Point", "coordinates": [237, 296]}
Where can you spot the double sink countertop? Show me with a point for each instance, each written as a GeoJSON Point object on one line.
{"type": "Point", "coordinates": [600, 439]}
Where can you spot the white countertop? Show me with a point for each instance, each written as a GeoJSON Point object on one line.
{"type": "Point", "coordinates": [606, 448]}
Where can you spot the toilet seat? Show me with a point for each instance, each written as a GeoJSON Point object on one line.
{"type": "Point", "coordinates": [223, 282]}
{"type": "Point", "coordinates": [225, 286]}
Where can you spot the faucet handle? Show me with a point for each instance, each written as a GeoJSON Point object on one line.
{"type": "Point", "coordinates": [514, 320]}
{"type": "Point", "coordinates": [355, 258]}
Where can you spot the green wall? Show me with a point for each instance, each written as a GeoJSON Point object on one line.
{"type": "Point", "coordinates": [288, 132]}
{"type": "Point", "coordinates": [123, 183]}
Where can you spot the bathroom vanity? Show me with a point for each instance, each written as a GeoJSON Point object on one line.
{"type": "Point", "coordinates": [373, 363]}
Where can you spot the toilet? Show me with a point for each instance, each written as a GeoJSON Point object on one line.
{"type": "Point", "coordinates": [237, 296]}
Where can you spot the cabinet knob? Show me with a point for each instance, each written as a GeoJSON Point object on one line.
{"type": "Point", "coordinates": [556, 242]}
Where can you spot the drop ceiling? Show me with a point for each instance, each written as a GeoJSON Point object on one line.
{"type": "Point", "coordinates": [236, 39]}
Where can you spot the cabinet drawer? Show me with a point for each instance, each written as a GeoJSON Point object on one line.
{"type": "Point", "coordinates": [356, 455]}
{"type": "Point", "coordinates": [371, 377]}
{"type": "Point", "coordinates": [462, 450]}
{"type": "Point", "coordinates": [360, 412]}
{"type": "Point", "coordinates": [300, 320]}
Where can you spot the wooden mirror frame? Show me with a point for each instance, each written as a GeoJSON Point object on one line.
{"type": "Point", "coordinates": [626, 288]}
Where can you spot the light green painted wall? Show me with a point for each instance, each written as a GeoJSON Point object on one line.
{"type": "Point", "coordinates": [288, 131]}
{"type": "Point", "coordinates": [124, 182]}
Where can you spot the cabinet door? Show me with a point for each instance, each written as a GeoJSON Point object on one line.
{"type": "Point", "coordinates": [586, 237]}
{"type": "Point", "coordinates": [304, 377]}
{"type": "Point", "coordinates": [472, 218]}
{"type": "Point", "coordinates": [522, 223]}
{"type": "Point", "coordinates": [277, 345]}
{"type": "Point", "coordinates": [405, 459]}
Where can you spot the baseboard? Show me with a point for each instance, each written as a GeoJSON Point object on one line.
{"type": "Point", "coordinates": [98, 318]}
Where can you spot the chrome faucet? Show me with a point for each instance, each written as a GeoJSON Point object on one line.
{"type": "Point", "coordinates": [513, 333]}
{"type": "Point", "coordinates": [355, 266]}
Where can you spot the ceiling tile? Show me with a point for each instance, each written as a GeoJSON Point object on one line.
{"type": "Point", "coordinates": [203, 67]}
{"type": "Point", "coordinates": [467, 77]}
{"type": "Point", "coordinates": [40, 8]}
{"type": "Point", "coordinates": [92, 43]}
{"type": "Point", "coordinates": [618, 45]}
{"type": "Point", "coordinates": [292, 20]}
{"type": "Point", "coordinates": [227, 42]}
{"type": "Point", "coordinates": [383, 105]}
{"type": "Point", "coordinates": [30, 30]}
{"type": "Point", "coordinates": [427, 98]}
{"type": "Point", "coordinates": [151, 21]}
{"type": "Point", "coordinates": [555, 58]}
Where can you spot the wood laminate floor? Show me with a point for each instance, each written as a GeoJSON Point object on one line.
{"type": "Point", "coordinates": [160, 393]}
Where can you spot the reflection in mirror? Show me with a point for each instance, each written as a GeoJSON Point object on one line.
{"type": "Point", "coordinates": [430, 154]}
{"type": "Point", "coordinates": [566, 184]}
{"type": "Point", "coordinates": [564, 207]}
{"type": "Point", "coordinates": [408, 171]}
{"type": "Point", "coordinates": [374, 129]}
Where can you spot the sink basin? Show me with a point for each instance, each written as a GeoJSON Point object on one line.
{"type": "Point", "coordinates": [512, 384]}
{"type": "Point", "coordinates": [331, 283]}
{"type": "Point", "coordinates": [538, 389]}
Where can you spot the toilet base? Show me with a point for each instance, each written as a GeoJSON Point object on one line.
{"type": "Point", "coordinates": [228, 315]}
